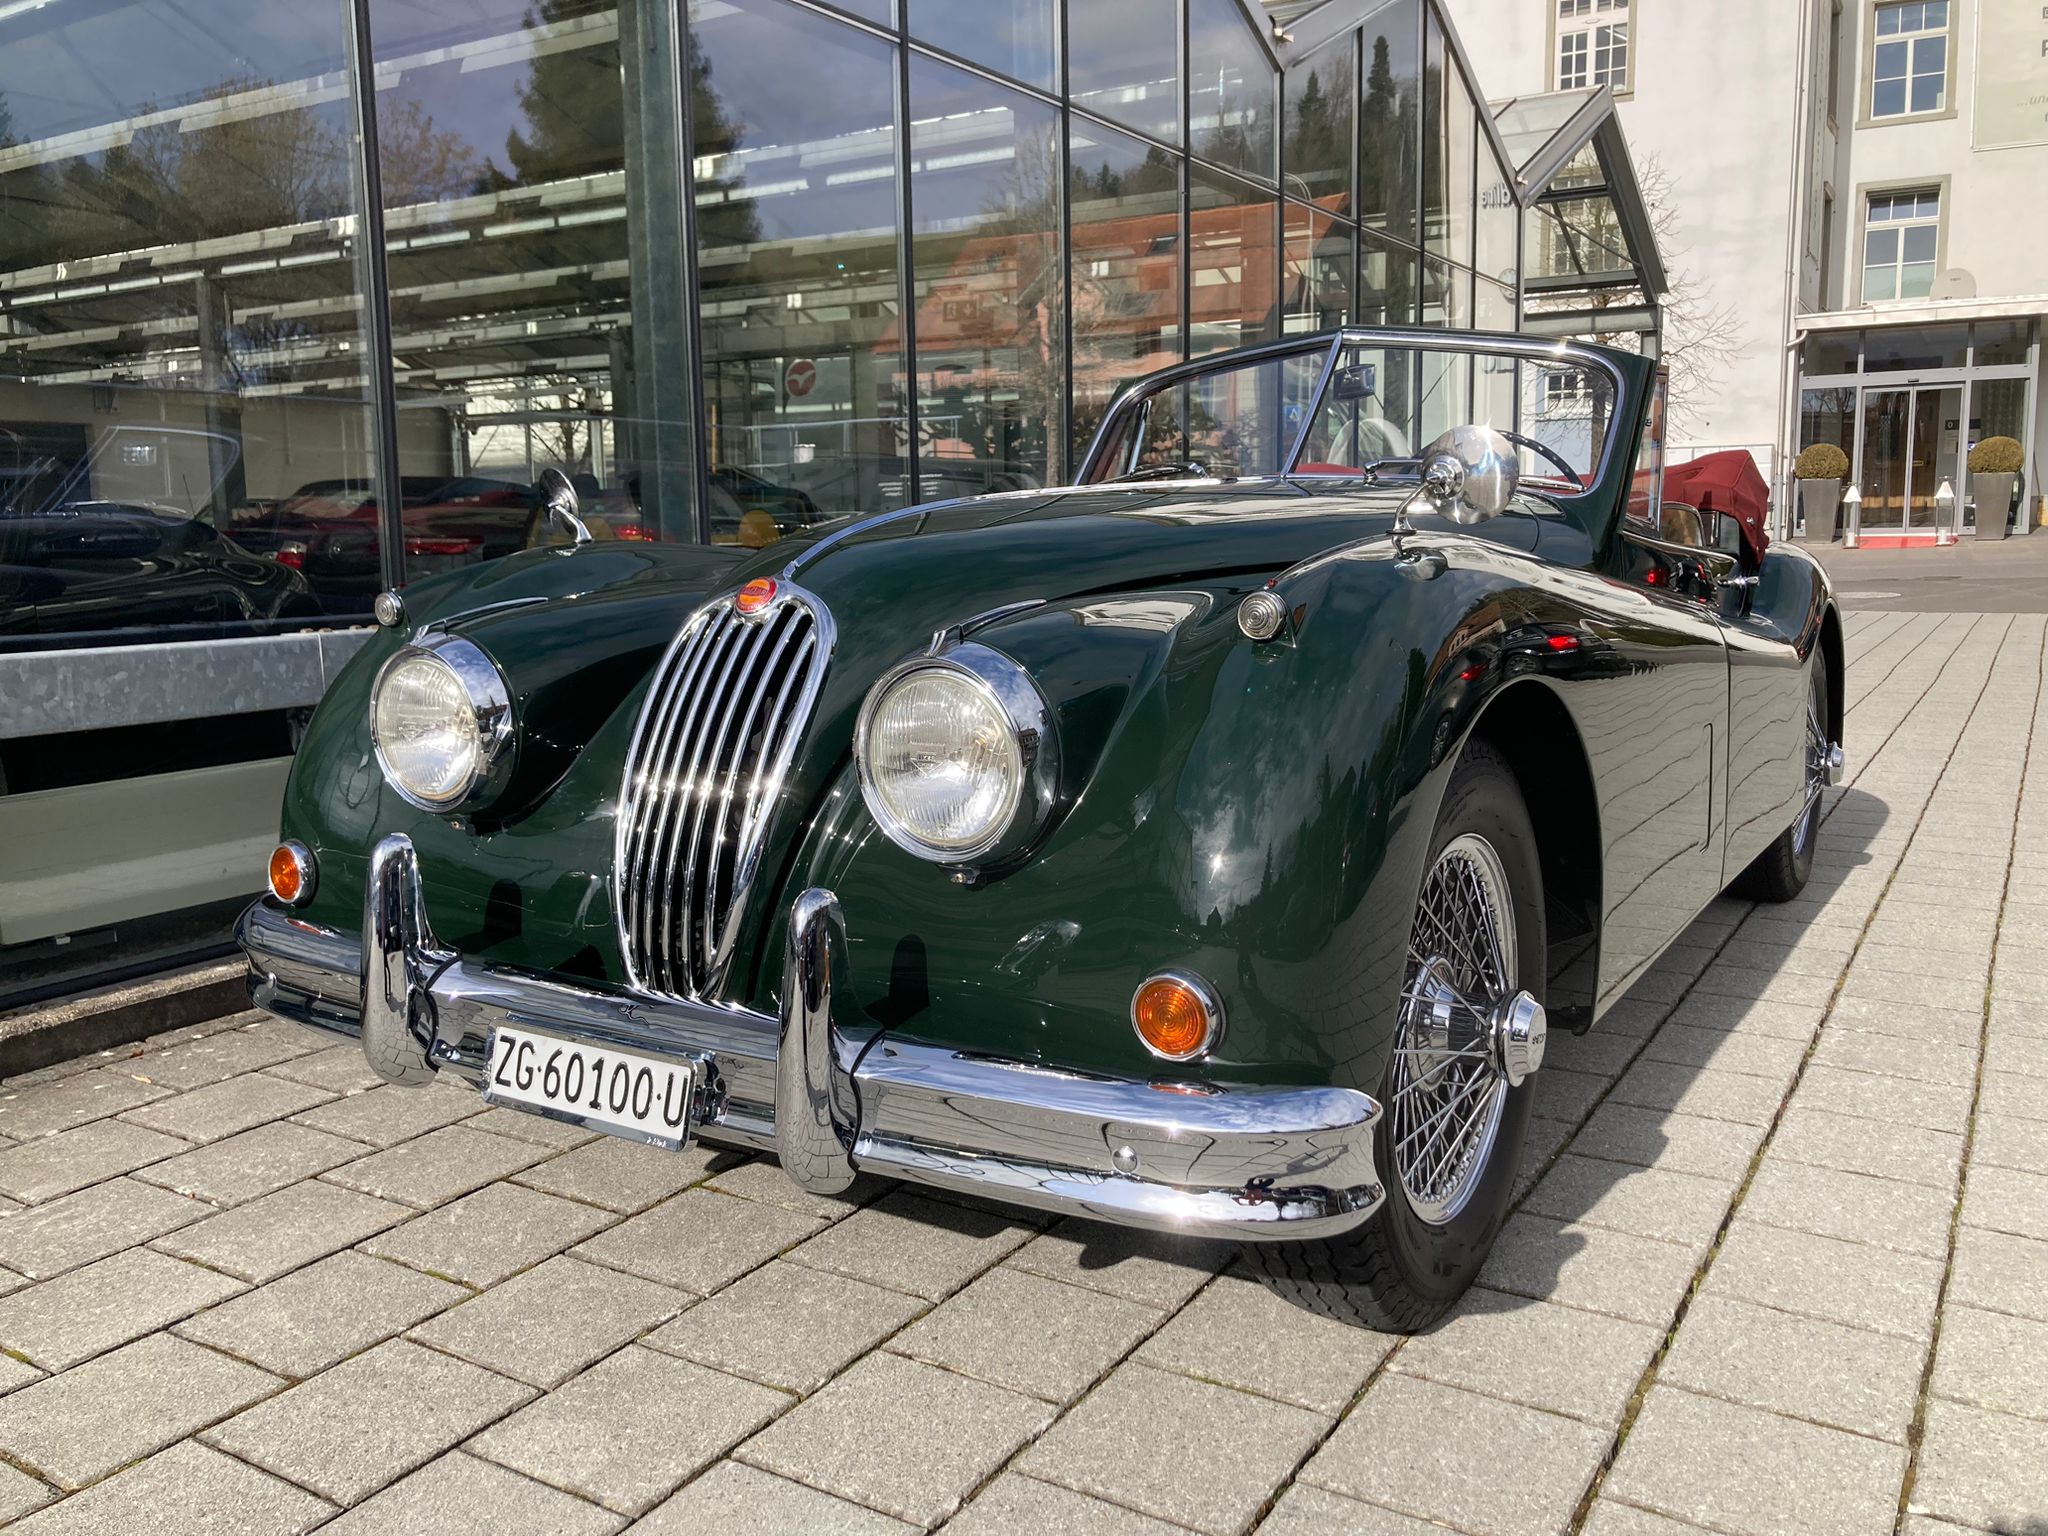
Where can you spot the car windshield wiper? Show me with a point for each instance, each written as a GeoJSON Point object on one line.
{"type": "Point", "coordinates": [1191, 469]}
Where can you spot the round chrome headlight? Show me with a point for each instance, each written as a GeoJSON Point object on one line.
{"type": "Point", "coordinates": [958, 761]}
{"type": "Point", "coordinates": [441, 723]}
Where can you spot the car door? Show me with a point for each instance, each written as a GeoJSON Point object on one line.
{"type": "Point", "coordinates": [1767, 705]}
{"type": "Point", "coordinates": [1654, 717]}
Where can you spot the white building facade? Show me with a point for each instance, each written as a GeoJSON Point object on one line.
{"type": "Point", "coordinates": [1849, 199]}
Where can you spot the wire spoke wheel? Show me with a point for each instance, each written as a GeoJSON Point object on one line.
{"type": "Point", "coordinates": [1448, 1088]}
{"type": "Point", "coordinates": [1816, 774]}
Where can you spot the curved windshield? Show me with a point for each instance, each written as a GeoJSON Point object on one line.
{"type": "Point", "coordinates": [1360, 407]}
{"type": "Point", "coordinates": [1386, 404]}
{"type": "Point", "coordinates": [1237, 421]}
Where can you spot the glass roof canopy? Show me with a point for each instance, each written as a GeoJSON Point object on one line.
{"type": "Point", "coordinates": [1590, 258]}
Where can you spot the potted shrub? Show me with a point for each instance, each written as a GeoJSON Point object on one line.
{"type": "Point", "coordinates": [1994, 469]}
{"type": "Point", "coordinates": [1820, 471]}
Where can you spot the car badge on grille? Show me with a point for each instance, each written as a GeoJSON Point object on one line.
{"type": "Point", "coordinates": [754, 598]}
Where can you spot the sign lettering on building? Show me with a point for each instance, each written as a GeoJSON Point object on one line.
{"type": "Point", "coordinates": [2012, 74]}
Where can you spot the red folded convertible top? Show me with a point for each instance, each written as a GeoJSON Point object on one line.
{"type": "Point", "coordinates": [1728, 483]}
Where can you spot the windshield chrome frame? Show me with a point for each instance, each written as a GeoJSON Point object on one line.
{"type": "Point", "coordinates": [1139, 393]}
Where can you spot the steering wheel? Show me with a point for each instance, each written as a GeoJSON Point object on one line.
{"type": "Point", "coordinates": [1538, 448]}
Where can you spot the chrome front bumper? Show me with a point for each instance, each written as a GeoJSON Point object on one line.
{"type": "Point", "coordinates": [1236, 1162]}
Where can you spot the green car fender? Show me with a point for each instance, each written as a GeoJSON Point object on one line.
{"type": "Point", "coordinates": [1258, 813]}
{"type": "Point", "coordinates": [574, 633]}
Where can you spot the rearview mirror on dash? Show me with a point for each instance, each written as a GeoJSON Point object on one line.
{"type": "Point", "coordinates": [1357, 382]}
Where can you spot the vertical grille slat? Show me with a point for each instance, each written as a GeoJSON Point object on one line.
{"type": "Point", "coordinates": [716, 735]}
{"type": "Point", "coordinates": [671, 777]}
{"type": "Point", "coordinates": [672, 867]}
{"type": "Point", "coordinates": [645, 792]}
{"type": "Point", "coordinates": [744, 754]}
{"type": "Point", "coordinates": [776, 752]}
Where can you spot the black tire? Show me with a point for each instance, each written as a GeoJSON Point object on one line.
{"type": "Point", "coordinates": [1398, 1272]}
{"type": "Point", "coordinates": [1781, 871]}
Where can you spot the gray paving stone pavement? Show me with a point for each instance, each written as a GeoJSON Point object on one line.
{"type": "Point", "coordinates": [1779, 1264]}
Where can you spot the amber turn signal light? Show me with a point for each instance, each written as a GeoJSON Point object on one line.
{"type": "Point", "coordinates": [1178, 1016]}
{"type": "Point", "coordinates": [291, 873]}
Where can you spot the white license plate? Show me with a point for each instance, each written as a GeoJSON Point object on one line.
{"type": "Point", "coordinates": [639, 1097]}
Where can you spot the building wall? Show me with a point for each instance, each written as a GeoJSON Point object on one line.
{"type": "Point", "coordinates": [1763, 187]}
{"type": "Point", "coordinates": [1994, 216]}
{"type": "Point", "coordinates": [1710, 120]}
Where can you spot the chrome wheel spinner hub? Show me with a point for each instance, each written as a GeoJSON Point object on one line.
{"type": "Point", "coordinates": [1508, 1034]}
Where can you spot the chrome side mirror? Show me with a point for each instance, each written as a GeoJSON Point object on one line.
{"type": "Point", "coordinates": [558, 498]}
{"type": "Point", "coordinates": [1469, 475]}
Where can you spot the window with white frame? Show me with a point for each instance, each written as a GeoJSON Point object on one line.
{"type": "Point", "coordinates": [1909, 58]}
{"type": "Point", "coordinates": [1901, 244]}
{"type": "Point", "coordinates": [1567, 392]}
{"type": "Point", "coordinates": [1592, 44]}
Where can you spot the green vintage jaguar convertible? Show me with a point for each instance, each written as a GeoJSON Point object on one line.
{"type": "Point", "coordinates": [1206, 846]}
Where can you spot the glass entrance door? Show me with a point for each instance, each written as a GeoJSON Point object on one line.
{"type": "Point", "coordinates": [1911, 444]}
{"type": "Point", "coordinates": [1887, 442]}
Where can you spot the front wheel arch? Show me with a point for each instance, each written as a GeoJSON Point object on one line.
{"type": "Point", "coordinates": [1528, 724]}
{"type": "Point", "coordinates": [1832, 657]}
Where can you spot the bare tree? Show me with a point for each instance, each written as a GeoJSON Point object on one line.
{"type": "Point", "coordinates": [1701, 338]}
{"type": "Point", "coordinates": [564, 440]}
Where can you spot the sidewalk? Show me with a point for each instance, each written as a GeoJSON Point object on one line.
{"type": "Point", "coordinates": [2010, 576]}
{"type": "Point", "coordinates": [1780, 1264]}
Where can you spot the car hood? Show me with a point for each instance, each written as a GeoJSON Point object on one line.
{"type": "Point", "coordinates": [891, 581]}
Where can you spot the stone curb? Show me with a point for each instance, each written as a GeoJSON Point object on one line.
{"type": "Point", "coordinates": [47, 1033]}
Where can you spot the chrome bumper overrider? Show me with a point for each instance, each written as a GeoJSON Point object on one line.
{"type": "Point", "coordinates": [1240, 1162]}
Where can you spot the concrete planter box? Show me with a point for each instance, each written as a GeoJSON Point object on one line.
{"type": "Point", "coordinates": [1993, 495]}
{"type": "Point", "coordinates": [1820, 503]}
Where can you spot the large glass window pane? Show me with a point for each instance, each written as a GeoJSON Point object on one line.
{"type": "Point", "coordinates": [990, 368]}
{"type": "Point", "coordinates": [1321, 136]}
{"type": "Point", "coordinates": [1998, 408]}
{"type": "Point", "coordinates": [519, 223]}
{"type": "Point", "coordinates": [1390, 121]}
{"type": "Point", "coordinates": [2001, 341]}
{"type": "Point", "coordinates": [1493, 307]}
{"type": "Point", "coordinates": [1015, 38]}
{"type": "Point", "coordinates": [1917, 350]}
{"type": "Point", "coordinates": [1449, 230]}
{"type": "Point", "coordinates": [1388, 279]}
{"type": "Point", "coordinates": [1232, 264]}
{"type": "Point", "coordinates": [179, 312]}
{"type": "Point", "coordinates": [1446, 294]}
{"type": "Point", "coordinates": [1497, 221]}
{"type": "Point", "coordinates": [1436, 139]}
{"type": "Point", "coordinates": [1125, 270]}
{"type": "Point", "coordinates": [1317, 291]}
{"type": "Point", "coordinates": [1123, 63]}
{"type": "Point", "coordinates": [1831, 352]}
{"type": "Point", "coordinates": [181, 349]}
{"type": "Point", "coordinates": [1828, 416]}
{"type": "Point", "coordinates": [881, 12]}
{"type": "Point", "coordinates": [797, 226]}
{"type": "Point", "coordinates": [1232, 90]}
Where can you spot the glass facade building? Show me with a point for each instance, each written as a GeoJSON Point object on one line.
{"type": "Point", "coordinates": [297, 301]}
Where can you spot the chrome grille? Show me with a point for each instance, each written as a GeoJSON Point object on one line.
{"type": "Point", "coordinates": [710, 752]}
